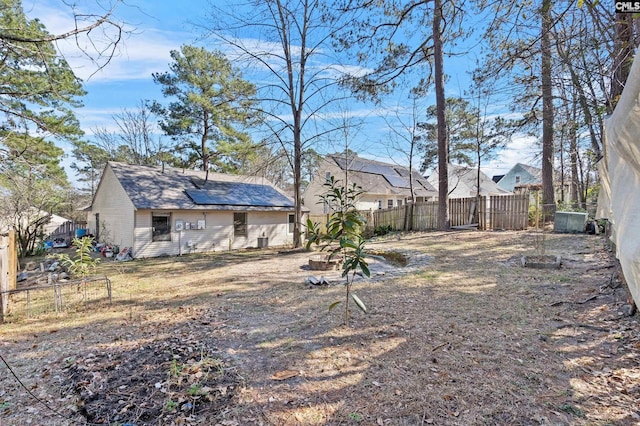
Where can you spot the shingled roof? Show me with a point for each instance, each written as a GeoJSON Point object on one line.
{"type": "Point", "coordinates": [168, 188]}
{"type": "Point", "coordinates": [382, 178]}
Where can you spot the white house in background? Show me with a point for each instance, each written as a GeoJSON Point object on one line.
{"type": "Point", "coordinates": [384, 185]}
{"type": "Point", "coordinates": [166, 211]}
{"type": "Point", "coordinates": [463, 183]}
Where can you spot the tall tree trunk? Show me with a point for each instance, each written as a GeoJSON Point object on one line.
{"type": "Point", "coordinates": [623, 54]}
{"type": "Point", "coordinates": [576, 193]}
{"type": "Point", "coordinates": [584, 104]}
{"type": "Point", "coordinates": [297, 179]}
{"type": "Point", "coordinates": [203, 146]}
{"type": "Point", "coordinates": [548, 196]}
{"type": "Point", "coordinates": [476, 213]}
{"type": "Point", "coordinates": [443, 151]}
{"type": "Point", "coordinates": [562, 173]}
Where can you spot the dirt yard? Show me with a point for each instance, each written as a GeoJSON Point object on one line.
{"type": "Point", "coordinates": [460, 335]}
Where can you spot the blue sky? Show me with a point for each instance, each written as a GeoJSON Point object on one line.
{"type": "Point", "coordinates": [159, 26]}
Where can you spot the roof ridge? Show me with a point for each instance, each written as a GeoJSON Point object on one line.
{"type": "Point", "coordinates": [368, 160]}
{"type": "Point", "coordinates": [194, 173]}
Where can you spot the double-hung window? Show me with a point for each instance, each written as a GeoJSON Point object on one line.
{"type": "Point", "coordinates": [160, 227]}
{"type": "Point", "coordinates": [292, 222]}
{"type": "Point", "coordinates": [239, 224]}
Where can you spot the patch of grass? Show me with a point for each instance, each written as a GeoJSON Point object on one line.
{"type": "Point", "coordinates": [186, 380]}
{"type": "Point", "coordinates": [393, 257]}
{"type": "Point", "coordinates": [195, 389]}
{"type": "Point", "coordinates": [276, 342]}
{"type": "Point", "coordinates": [571, 409]}
{"type": "Point", "coordinates": [355, 417]}
{"type": "Point", "coordinates": [428, 275]}
{"type": "Point", "coordinates": [171, 405]}
{"type": "Point", "coordinates": [174, 368]}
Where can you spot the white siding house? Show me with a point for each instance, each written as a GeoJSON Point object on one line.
{"type": "Point", "coordinates": [463, 182]}
{"type": "Point", "coordinates": [164, 211]}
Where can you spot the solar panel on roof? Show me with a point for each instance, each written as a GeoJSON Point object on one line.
{"type": "Point", "coordinates": [239, 194]}
{"type": "Point", "coordinates": [398, 181]}
{"type": "Point", "coordinates": [401, 171]}
{"type": "Point", "coordinates": [425, 184]}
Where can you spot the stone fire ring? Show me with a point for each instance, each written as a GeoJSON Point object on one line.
{"type": "Point", "coordinates": [542, 262]}
{"type": "Point", "coordinates": [321, 262]}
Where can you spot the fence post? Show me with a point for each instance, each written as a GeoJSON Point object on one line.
{"type": "Point", "coordinates": [13, 260]}
{"type": "Point", "coordinates": [57, 296]}
{"type": "Point", "coordinates": [8, 270]}
{"type": "Point", "coordinates": [108, 288]}
{"type": "Point", "coordinates": [4, 276]}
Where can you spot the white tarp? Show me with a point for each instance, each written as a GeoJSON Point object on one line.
{"type": "Point", "coordinates": [619, 200]}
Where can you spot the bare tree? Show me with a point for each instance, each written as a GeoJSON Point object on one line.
{"type": "Point", "coordinates": [135, 139]}
{"type": "Point", "coordinates": [289, 41]}
{"type": "Point", "coordinates": [406, 136]}
{"type": "Point", "coordinates": [96, 35]}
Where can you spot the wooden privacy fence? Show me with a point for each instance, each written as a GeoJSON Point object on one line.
{"type": "Point", "coordinates": [322, 219]}
{"type": "Point", "coordinates": [29, 302]}
{"type": "Point", "coordinates": [508, 212]}
{"type": "Point", "coordinates": [503, 212]}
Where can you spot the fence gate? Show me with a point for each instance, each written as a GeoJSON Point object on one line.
{"type": "Point", "coordinates": [509, 212]}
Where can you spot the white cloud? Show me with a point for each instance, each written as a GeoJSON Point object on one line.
{"type": "Point", "coordinates": [97, 118]}
{"type": "Point", "coordinates": [142, 50]}
{"type": "Point", "coordinates": [522, 149]}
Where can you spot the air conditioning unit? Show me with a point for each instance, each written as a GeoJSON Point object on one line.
{"type": "Point", "coordinates": [263, 242]}
{"type": "Point", "coordinates": [571, 222]}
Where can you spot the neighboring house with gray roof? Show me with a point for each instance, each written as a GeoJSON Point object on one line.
{"type": "Point", "coordinates": [520, 175]}
{"type": "Point", "coordinates": [463, 182]}
{"type": "Point", "coordinates": [385, 185]}
{"type": "Point", "coordinates": [158, 211]}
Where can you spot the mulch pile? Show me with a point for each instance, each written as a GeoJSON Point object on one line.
{"type": "Point", "coordinates": [163, 382]}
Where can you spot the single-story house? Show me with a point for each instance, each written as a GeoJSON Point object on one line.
{"type": "Point", "coordinates": [384, 185]}
{"type": "Point", "coordinates": [156, 211]}
{"type": "Point", "coordinates": [463, 182]}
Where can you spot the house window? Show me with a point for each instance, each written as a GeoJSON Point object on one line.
{"type": "Point", "coordinates": [292, 221]}
{"type": "Point", "coordinates": [379, 204]}
{"type": "Point", "coordinates": [239, 224]}
{"type": "Point", "coordinates": [389, 204]}
{"type": "Point", "coordinates": [160, 227]}
{"type": "Point", "coordinates": [399, 203]}
{"type": "Point", "coordinates": [327, 176]}
{"type": "Point", "coordinates": [517, 179]}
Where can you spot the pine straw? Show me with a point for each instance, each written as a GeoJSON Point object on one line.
{"type": "Point", "coordinates": [462, 335]}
